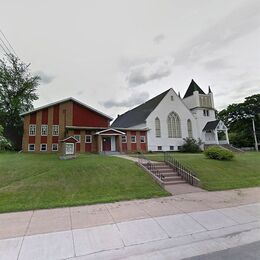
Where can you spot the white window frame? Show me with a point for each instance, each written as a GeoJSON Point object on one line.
{"type": "Point", "coordinates": [142, 139]}
{"type": "Point", "coordinates": [124, 139]}
{"type": "Point", "coordinates": [133, 142]}
{"type": "Point", "coordinates": [41, 148]}
{"type": "Point", "coordinates": [57, 147]}
{"type": "Point", "coordinates": [157, 127]}
{"type": "Point", "coordinates": [189, 128]}
{"type": "Point", "coordinates": [158, 148]}
{"type": "Point", "coordinates": [174, 125]}
{"type": "Point", "coordinates": [90, 137]}
{"type": "Point", "coordinates": [29, 148]}
{"type": "Point", "coordinates": [42, 127]}
{"type": "Point", "coordinates": [77, 138]}
{"type": "Point", "coordinates": [55, 128]}
{"type": "Point", "coordinates": [30, 127]}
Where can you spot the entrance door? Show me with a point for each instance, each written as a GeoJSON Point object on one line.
{"type": "Point", "coordinates": [106, 144]}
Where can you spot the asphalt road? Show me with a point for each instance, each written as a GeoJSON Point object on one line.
{"type": "Point", "coordinates": [246, 252]}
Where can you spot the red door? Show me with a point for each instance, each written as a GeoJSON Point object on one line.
{"type": "Point", "coordinates": [106, 144]}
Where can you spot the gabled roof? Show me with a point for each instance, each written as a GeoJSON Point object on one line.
{"type": "Point", "coordinates": [70, 139]}
{"type": "Point", "coordinates": [211, 125]}
{"type": "Point", "coordinates": [65, 100]}
{"type": "Point", "coordinates": [139, 114]}
{"type": "Point", "coordinates": [193, 87]}
{"type": "Point", "coordinates": [109, 130]}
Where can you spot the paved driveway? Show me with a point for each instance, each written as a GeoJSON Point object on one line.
{"type": "Point", "coordinates": [155, 228]}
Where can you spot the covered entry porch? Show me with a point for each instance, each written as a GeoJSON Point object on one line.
{"type": "Point", "coordinates": [109, 140]}
{"type": "Point", "coordinates": [215, 132]}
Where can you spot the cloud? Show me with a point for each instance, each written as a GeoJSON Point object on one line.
{"type": "Point", "coordinates": [237, 24]}
{"type": "Point", "coordinates": [216, 64]}
{"type": "Point", "coordinates": [133, 100]}
{"type": "Point", "coordinates": [148, 71]}
{"type": "Point", "coordinates": [158, 38]}
{"type": "Point", "coordinates": [45, 79]}
{"type": "Point", "coordinates": [80, 92]}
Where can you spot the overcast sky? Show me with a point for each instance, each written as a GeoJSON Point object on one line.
{"type": "Point", "coordinates": [113, 55]}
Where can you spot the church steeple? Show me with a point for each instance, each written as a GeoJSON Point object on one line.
{"type": "Point", "coordinates": [210, 90]}
{"type": "Point", "coordinates": [193, 87]}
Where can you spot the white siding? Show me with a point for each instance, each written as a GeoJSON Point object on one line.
{"type": "Point", "coordinates": [162, 111]}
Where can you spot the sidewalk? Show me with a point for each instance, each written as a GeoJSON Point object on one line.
{"type": "Point", "coordinates": [132, 228]}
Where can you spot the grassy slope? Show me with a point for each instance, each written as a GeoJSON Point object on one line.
{"type": "Point", "coordinates": [243, 171]}
{"type": "Point", "coordinates": [30, 181]}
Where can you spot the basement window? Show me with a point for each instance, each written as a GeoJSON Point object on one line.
{"type": "Point", "coordinates": [43, 147]}
{"type": "Point", "coordinates": [31, 147]}
{"type": "Point", "coordinates": [55, 147]}
{"type": "Point", "coordinates": [159, 148]}
{"type": "Point", "coordinates": [171, 147]}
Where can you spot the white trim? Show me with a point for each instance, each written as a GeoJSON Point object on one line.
{"type": "Point", "coordinates": [90, 142]}
{"type": "Point", "coordinates": [58, 127]}
{"type": "Point", "coordinates": [57, 147]}
{"type": "Point", "coordinates": [78, 141]}
{"type": "Point", "coordinates": [131, 139]}
{"type": "Point", "coordinates": [29, 149]}
{"type": "Point", "coordinates": [43, 150]}
{"type": "Point", "coordinates": [110, 129]}
{"type": "Point", "coordinates": [46, 129]}
{"type": "Point", "coordinates": [141, 139]}
{"type": "Point", "coordinates": [64, 140]}
{"type": "Point", "coordinates": [65, 100]}
{"type": "Point", "coordinates": [104, 128]}
{"type": "Point", "coordinates": [34, 130]}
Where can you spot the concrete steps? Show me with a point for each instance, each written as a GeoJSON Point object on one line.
{"type": "Point", "coordinates": [169, 176]}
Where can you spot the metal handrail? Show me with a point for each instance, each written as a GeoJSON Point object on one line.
{"type": "Point", "coordinates": [150, 166]}
{"type": "Point", "coordinates": [181, 170]}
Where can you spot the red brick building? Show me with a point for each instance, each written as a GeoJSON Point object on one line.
{"type": "Point", "coordinates": [47, 126]}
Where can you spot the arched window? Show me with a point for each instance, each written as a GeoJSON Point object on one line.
{"type": "Point", "coordinates": [157, 127]}
{"type": "Point", "coordinates": [189, 126]}
{"type": "Point", "coordinates": [174, 125]}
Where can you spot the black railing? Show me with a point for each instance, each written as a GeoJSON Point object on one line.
{"type": "Point", "coordinates": [150, 166]}
{"type": "Point", "coordinates": [181, 170]}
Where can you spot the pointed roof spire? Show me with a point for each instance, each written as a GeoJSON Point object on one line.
{"type": "Point", "coordinates": [210, 90]}
{"type": "Point", "coordinates": [179, 94]}
{"type": "Point", "coordinates": [193, 87]}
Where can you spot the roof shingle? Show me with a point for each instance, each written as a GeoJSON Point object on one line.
{"type": "Point", "coordinates": [138, 114]}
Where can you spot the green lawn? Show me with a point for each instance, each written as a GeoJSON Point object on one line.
{"type": "Point", "coordinates": [33, 181]}
{"type": "Point", "coordinates": [242, 172]}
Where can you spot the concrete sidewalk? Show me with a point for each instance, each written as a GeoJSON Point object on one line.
{"type": "Point", "coordinates": [131, 227]}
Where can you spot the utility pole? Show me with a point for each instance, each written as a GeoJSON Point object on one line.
{"type": "Point", "coordinates": [256, 144]}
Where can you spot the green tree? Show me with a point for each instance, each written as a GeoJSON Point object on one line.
{"type": "Point", "coordinates": [4, 143]}
{"type": "Point", "coordinates": [17, 93]}
{"type": "Point", "coordinates": [238, 119]}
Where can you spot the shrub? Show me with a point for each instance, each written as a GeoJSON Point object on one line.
{"type": "Point", "coordinates": [4, 143]}
{"type": "Point", "coordinates": [218, 153]}
{"type": "Point", "coordinates": [190, 146]}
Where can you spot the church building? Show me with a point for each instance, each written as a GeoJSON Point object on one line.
{"type": "Point", "coordinates": [170, 118]}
